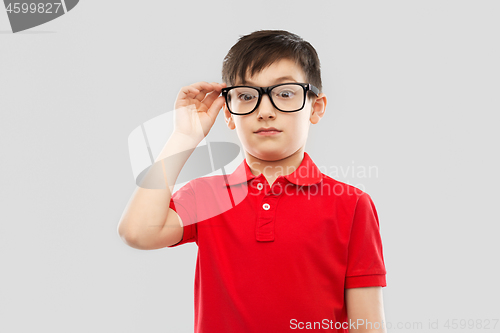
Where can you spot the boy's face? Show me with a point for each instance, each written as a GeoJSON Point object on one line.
{"type": "Point", "coordinates": [293, 126]}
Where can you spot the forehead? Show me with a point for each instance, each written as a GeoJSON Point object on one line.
{"type": "Point", "coordinates": [284, 70]}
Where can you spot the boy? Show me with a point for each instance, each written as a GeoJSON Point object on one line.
{"type": "Point", "coordinates": [281, 246]}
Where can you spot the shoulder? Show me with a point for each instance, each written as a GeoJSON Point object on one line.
{"type": "Point", "coordinates": [341, 189]}
{"type": "Point", "coordinates": [347, 196]}
{"type": "Point", "coordinates": [202, 184]}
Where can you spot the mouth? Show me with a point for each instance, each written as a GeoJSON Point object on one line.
{"type": "Point", "coordinates": [270, 130]}
{"type": "Point", "coordinates": [268, 133]}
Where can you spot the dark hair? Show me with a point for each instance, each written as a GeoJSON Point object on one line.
{"type": "Point", "coordinates": [256, 51]}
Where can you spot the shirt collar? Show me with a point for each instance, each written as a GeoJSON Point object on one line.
{"type": "Point", "coordinates": [306, 174]}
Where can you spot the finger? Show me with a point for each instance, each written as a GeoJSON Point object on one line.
{"type": "Point", "coordinates": [216, 107]}
{"type": "Point", "coordinates": [193, 90]}
{"type": "Point", "coordinates": [208, 88]}
{"type": "Point", "coordinates": [197, 91]}
{"type": "Point", "coordinates": [219, 86]}
{"type": "Point", "coordinates": [211, 97]}
{"type": "Point", "coordinates": [205, 89]}
{"type": "Point", "coordinates": [188, 92]}
{"type": "Point", "coordinates": [201, 85]}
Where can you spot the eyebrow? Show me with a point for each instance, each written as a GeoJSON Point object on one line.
{"type": "Point", "coordinates": [280, 79]}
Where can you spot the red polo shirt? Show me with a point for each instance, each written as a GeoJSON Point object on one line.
{"type": "Point", "coordinates": [276, 259]}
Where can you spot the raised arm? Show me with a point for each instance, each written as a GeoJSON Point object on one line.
{"type": "Point", "coordinates": [147, 222]}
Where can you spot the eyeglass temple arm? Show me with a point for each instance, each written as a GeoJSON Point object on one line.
{"type": "Point", "coordinates": [314, 89]}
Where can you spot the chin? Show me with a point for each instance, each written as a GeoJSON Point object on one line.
{"type": "Point", "coordinates": [269, 155]}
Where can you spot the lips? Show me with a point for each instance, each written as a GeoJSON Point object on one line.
{"type": "Point", "coordinates": [268, 129]}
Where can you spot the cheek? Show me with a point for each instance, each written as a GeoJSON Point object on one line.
{"type": "Point", "coordinates": [243, 129]}
{"type": "Point", "coordinates": [300, 123]}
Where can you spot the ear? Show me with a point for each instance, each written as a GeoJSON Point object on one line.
{"type": "Point", "coordinates": [318, 108]}
{"type": "Point", "coordinates": [229, 118]}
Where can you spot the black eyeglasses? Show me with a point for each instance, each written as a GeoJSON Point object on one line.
{"type": "Point", "coordinates": [286, 97]}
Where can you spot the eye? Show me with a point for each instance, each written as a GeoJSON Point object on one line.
{"type": "Point", "coordinates": [245, 97]}
{"type": "Point", "coordinates": [286, 94]}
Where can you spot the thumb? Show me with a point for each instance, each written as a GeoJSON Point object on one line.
{"type": "Point", "coordinates": [214, 109]}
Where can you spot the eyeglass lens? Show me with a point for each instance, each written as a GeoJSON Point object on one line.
{"type": "Point", "coordinates": [289, 97]}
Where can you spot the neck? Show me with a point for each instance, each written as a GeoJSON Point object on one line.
{"type": "Point", "coordinates": [273, 169]}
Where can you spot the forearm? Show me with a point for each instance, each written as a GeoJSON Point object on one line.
{"type": "Point", "coordinates": [147, 210]}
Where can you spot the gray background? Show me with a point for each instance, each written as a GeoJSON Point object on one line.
{"type": "Point", "coordinates": [412, 89]}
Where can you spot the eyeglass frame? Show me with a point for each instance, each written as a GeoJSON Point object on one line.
{"type": "Point", "coordinates": [266, 91]}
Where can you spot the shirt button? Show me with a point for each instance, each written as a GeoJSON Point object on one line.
{"type": "Point", "coordinates": [260, 186]}
{"type": "Point", "coordinates": [266, 206]}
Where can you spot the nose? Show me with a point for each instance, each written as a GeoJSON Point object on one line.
{"type": "Point", "coordinates": [266, 109]}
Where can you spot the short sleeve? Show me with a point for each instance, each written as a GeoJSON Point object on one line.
{"type": "Point", "coordinates": [365, 263]}
{"type": "Point", "coordinates": [184, 204]}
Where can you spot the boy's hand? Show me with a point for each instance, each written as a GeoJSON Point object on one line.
{"type": "Point", "coordinates": [196, 109]}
